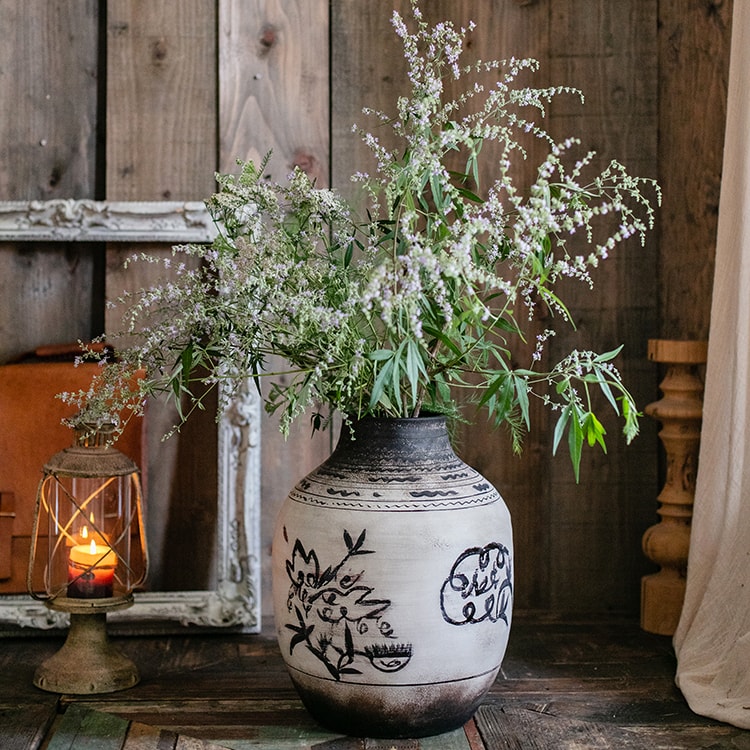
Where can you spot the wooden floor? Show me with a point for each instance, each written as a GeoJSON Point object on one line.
{"type": "Point", "coordinates": [565, 686]}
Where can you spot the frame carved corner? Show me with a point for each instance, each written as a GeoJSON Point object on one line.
{"type": "Point", "coordinates": [69, 220]}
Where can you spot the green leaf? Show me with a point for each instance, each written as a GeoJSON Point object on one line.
{"type": "Point", "coordinates": [414, 367]}
{"type": "Point", "coordinates": [473, 197]}
{"type": "Point", "coordinates": [437, 192]}
{"type": "Point", "coordinates": [607, 391]}
{"type": "Point", "coordinates": [562, 421]}
{"type": "Point", "coordinates": [505, 397]}
{"type": "Point", "coordinates": [396, 370]}
{"type": "Point", "coordinates": [562, 385]}
{"type": "Point", "coordinates": [493, 388]}
{"type": "Point", "coordinates": [608, 356]}
{"type": "Point", "coordinates": [509, 325]}
{"type": "Point", "coordinates": [594, 431]}
{"type": "Point", "coordinates": [575, 443]}
{"type": "Point", "coordinates": [379, 385]}
{"type": "Point", "coordinates": [522, 398]}
{"type": "Point", "coordinates": [443, 339]}
{"type": "Point", "coordinates": [186, 361]}
{"type": "Point", "coordinates": [631, 414]}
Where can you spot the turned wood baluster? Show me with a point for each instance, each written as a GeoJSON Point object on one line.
{"type": "Point", "coordinates": [666, 543]}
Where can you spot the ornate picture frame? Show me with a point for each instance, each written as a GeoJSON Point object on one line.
{"type": "Point", "coordinates": [235, 601]}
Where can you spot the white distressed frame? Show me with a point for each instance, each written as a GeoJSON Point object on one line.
{"type": "Point", "coordinates": [235, 603]}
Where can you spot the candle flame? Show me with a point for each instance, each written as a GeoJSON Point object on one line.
{"type": "Point", "coordinates": [85, 532]}
{"type": "Point", "coordinates": [92, 547]}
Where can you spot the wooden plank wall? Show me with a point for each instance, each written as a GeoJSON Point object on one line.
{"type": "Point", "coordinates": [47, 151]}
{"type": "Point", "coordinates": [274, 97]}
{"type": "Point", "coordinates": [598, 524]}
{"type": "Point", "coordinates": [135, 100]}
{"type": "Point", "coordinates": [694, 40]}
{"type": "Point", "coordinates": [161, 124]}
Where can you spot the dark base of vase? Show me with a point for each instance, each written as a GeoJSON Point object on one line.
{"type": "Point", "coordinates": [391, 712]}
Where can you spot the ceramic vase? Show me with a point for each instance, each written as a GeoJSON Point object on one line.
{"type": "Point", "coordinates": [393, 582]}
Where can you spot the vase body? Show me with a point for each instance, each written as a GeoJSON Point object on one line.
{"type": "Point", "coordinates": [393, 582]}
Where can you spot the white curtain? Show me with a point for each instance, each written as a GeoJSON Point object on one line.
{"type": "Point", "coordinates": [712, 640]}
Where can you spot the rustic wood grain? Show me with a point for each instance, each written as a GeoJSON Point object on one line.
{"type": "Point", "coordinates": [81, 729]}
{"type": "Point", "coordinates": [273, 59]}
{"type": "Point", "coordinates": [564, 683]}
{"type": "Point", "coordinates": [525, 729]}
{"type": "Point", "coordinates": [609, 50]}
{"type": "Point", "coordinates": [161, 145]}
{"type": "Point", "coordinates": [48, 86]}
{"type": "Point", "coordinates": [49, 295]}
{"type": "Point", "coordinates": [273, 94]}
{"type": "Point", "coordinates": [47, 151]}
{"type": "Point", "coordinates": [161, 99]}
{"type": "Point", "coordinates": [694, 45]}
{"type": "Point", "coordinates": [24, 727]}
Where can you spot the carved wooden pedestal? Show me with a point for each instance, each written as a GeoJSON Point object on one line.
{"type": "Point", "coordinates": [667, 543]}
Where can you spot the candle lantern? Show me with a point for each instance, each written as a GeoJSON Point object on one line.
{"type": "Point", "coordinates": [88, 553]}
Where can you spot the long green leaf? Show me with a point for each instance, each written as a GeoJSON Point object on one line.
{"type": "Point", "coordinates": [575, 442]}
{"type": "Point", "coordinates": [562, 421]}
{"type": "Point", "coordinates": [493, 388]}
{"type": "Point", "coordinates": [607, 391]}
{"type": "Point", "coordinates": [522, 398]}
{"type": "Point", "coordinates": [380, 380]}
{"type": "Point", "coordinates": [608, 356]}
{"type": "Point", "coordinates": [443, 339]}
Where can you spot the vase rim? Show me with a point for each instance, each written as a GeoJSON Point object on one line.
{"type": "Point", "coordinates": [424, 416]}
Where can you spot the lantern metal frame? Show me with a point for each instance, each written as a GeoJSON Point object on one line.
{"type": "Point", "coordinates": [88, 663]}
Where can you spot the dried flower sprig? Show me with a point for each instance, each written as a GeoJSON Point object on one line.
{"type": "Point", "coordinates": [394, 314]}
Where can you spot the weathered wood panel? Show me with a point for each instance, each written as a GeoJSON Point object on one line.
{"type": "Point", "coordinates": [273, 59]}
{"type": "Point", "coordinates": [161, 99]}
{"type": "Point", "coordinates": [161, 145]}
{"type": "Point", "coordinates": [609, 50]}
{"type": "Point", "coordinates": [373, 74]}
{"type": "Point", "coordinates": [48, 94]}
{"type": "Point", "coordinates": [273, 91]}
{"type": "Point", "coordinates": [565, 684]}
{"type": "Point", "coordinates": [694, 42]}
{"type": "Point", "coordinates": [48, 86]}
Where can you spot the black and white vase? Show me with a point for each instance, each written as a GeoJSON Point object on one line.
{"type": "Point", "coordinates": [393, 582]}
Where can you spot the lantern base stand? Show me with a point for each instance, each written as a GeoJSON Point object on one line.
{"type": "Point", "coordinates": [87, 663]}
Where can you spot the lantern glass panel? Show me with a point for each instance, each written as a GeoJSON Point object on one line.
{"type": "Point", "coordinates": [93, 527]}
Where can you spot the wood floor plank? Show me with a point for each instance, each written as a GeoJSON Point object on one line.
{"type": "Point", "coordinates": [709, 737]}
{"type": "Point", "coordinates": [565, 685]}
{"type": "Point", "coordinates": [142, 737]}
{"type": "Point", "coordinates": [456, 740]}
{"type": "Point", "coordinates": [521, 729]}
{"type": "Point", "coordinates": [191, 743]}
{"type": "Point", "coordinates": [24, 727]}
{"type": "Point", "coordinates": [82, 729]}
{"type": "Point", "coordinates": [473, 738]}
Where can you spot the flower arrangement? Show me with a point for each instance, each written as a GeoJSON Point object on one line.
{"type": "Point", "coordinates": [394, 313]}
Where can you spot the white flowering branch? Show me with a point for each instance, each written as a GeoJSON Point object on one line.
{"type": "Point", "coordinates": [392, 313]}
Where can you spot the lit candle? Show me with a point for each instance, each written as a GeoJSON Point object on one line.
{"type": "Point", "coordinates": [91, 571]}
